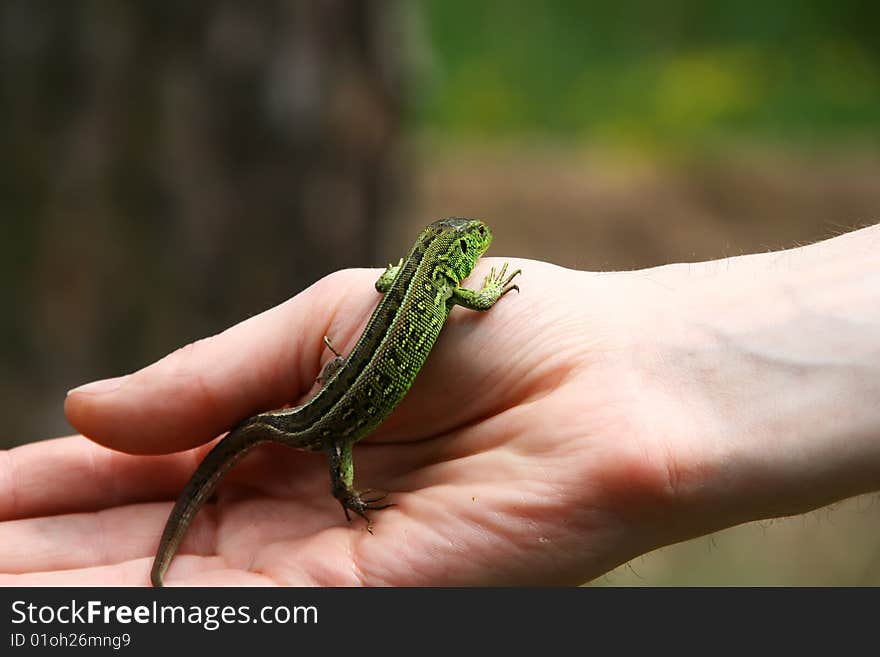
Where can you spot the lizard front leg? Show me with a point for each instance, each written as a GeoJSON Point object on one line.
{"type": "Point", "coordinates": [494, 287]}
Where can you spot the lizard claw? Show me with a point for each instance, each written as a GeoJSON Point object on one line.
{"type": "Point", "coordinates": [355, 502]}
{"type": "Point", "coordinates": [500, 281]}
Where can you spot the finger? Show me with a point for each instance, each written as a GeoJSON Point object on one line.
{"type": "Point", "coordinates": [73, 474]}
{"type": "Point", "coordinates": [197, 392]}
{"type": "Point", "coordinates": [82, 479]}
{"type": "Point", "coordinates": [135, 572]}
{"type": "Point", "coordinates": [83, 540]}
{"type": "Point", "coordinates": [69, 475]}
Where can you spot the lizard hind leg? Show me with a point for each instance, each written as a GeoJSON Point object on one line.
{"type": "Point", "coordinates": [385, 281]}
{"type": "Point", "coordinates": [341, 464]}
{"type": "Point", "coordinates": [332, 366]}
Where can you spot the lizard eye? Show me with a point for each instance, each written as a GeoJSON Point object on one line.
{"type": "Point", "coordinates": [463, 246]}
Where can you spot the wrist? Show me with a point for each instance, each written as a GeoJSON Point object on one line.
{"type": "Point", "coordinates": [768, 370]}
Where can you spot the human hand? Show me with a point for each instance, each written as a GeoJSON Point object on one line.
{"type": "Point", "coordinates": [581, 423]}
{"type": "Point", "coordinates": [491, 483]}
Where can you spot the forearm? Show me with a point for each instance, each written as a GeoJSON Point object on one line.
{"type": "Point", "coordinates": [773, 362]}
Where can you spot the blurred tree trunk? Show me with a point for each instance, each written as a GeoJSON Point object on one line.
{"type": "Point", "coordinates": [171, 168]}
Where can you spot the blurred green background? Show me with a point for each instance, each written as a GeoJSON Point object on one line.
{"type": "Point", "coordinates": [673, 75]}
{"type": "Point", "coordinates": [169, 170]}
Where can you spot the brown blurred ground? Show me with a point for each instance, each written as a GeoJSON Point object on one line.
{"type": "Point", "coordinates": [605, 211]}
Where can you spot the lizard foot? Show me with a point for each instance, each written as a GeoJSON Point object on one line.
{"type": "Point", "coordinates": [498, 280]}
{"type": "Point", "coordinates": [352, 500]}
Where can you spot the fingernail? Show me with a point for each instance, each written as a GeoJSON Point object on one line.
{"type": "Point", "coordinates": [100, 387]}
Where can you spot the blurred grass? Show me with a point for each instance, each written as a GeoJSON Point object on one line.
{"type": "Point", "coordinates": [654, 75]}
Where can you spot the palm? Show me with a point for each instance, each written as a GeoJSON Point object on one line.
{"type": "Point", "coordinates": [503, 464]}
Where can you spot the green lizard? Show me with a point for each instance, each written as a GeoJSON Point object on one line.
{"type": "Point", "coordinates": [359, 392]}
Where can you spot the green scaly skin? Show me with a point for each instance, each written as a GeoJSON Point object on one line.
{"type": "Point", "coordinates": [360, 391]}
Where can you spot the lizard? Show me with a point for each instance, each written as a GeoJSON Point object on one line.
{"type": "Point", "coordinates": [360, 391]}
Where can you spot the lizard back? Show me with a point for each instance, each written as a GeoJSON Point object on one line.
{"type": "Point", "coordinates": [389, 353]}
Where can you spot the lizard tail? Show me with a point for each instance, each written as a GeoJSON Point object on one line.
{"type": "Point", "coordinates": [202, 484]}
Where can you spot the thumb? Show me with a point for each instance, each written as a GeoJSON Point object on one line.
{"type": "Point", "coordinates": [199, 391]}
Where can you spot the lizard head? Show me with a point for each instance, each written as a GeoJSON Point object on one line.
{"type": "Point", "coordinates": [460, 243]}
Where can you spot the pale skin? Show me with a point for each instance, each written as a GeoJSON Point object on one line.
{"type": "Point", "coordinates": [580, 423]}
